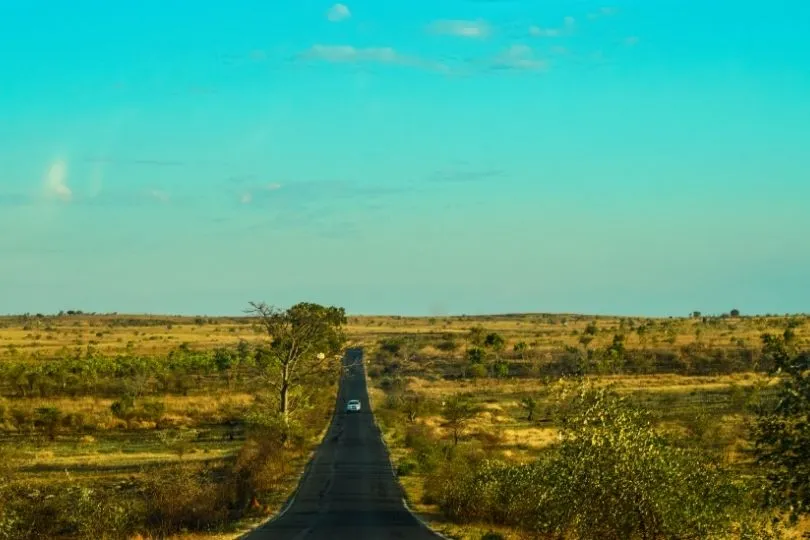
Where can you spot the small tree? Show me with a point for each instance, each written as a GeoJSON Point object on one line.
{"type": "Point", "coordinates": [530, 405]}
{"type": "Point", "coordinates": [521, 349]}
{"type": "Point", "coordinates": [457, 414]}
{"type": "Point", "coordinates": [734, 313]}
{"type": "Point", "coordinates": [303, 339]}
{"type": "Point", "coordinates": [413, 405]}
{"type": "Point", "coordinates": [49, 419]}
{"type": "Point", "coordinates": [494, 341]}
{"type": "Point", "coordinates": [124, 408]}
{"type": "Point", "coordinates": [178, 441]}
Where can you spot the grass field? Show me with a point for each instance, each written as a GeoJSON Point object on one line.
{"type": "Point", "coordinates": [698, 376]}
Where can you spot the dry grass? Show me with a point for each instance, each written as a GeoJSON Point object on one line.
{"type": "Point", "coordinates": [154, 334]}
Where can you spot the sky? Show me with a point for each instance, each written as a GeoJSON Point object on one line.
{"type": "Point", "coordinates": [421, 157]}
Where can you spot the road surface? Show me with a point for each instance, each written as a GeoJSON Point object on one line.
{"type": "Point", "coordinates": [349, 490]}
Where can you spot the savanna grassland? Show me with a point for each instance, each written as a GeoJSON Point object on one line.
{"type": "Point", "coordinates": [126, 427]}
{"type": "Point", "coordinates": [119, 425]}
{"type": "Point", "coordinates": [487, 417]}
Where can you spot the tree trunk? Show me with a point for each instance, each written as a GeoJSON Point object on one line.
{"type": "Point", "coordinates": [285, 389]}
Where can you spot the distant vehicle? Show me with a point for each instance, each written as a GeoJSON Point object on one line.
{"type": "Point", "coordinates": [353, 405]}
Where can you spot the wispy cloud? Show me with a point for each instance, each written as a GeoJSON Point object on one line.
{"type": "Point", "coordinates": [338, 12]}
{"type": "Point", "coordinates": [272, 187]}
{"type": "Point", "coordinates": [518, 57]}
{"type": "Point", "coordinates": [631, 40]}
{"type": "Point", "coordinates": [55, 182]}
{"type": "Point", "coordinates": [348, 54]}
{"type": "Point", "coordinates": [246, 198]}
{"type": "Point", "coordinates": [462, 28]}
{"type": "Point", "coordinates": [545, 32]}
{"type": "Point", "coordinates": [158, 195]}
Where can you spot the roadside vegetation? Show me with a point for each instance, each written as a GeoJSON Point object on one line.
{"type": "Point", "coordinates": [675, 428]}
{"type": "Point", "coordinates": [128, 442]}
{"type": "Point", "coordinates": [513, 426]}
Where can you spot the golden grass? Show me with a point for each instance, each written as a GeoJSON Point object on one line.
{"type": "Point", "coordinates": [45, 336]}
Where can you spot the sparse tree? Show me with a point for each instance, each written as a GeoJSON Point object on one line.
{"type": "Point", "coordinates": [303, 340]}
{"type": "Point", "coordinates": [495, 341]}
{"type": "Point", "coordinates": [530, 405]}
{"type": "Point", "coordinates": [457, 414]}
{"type": "Point", "coordinates": [49, 419]}
{"type": "Point", "coordinates": [522, 349]}
{"type": "Point", "coordinates": [477, 335]}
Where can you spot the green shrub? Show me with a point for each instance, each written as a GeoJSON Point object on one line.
{"type": "Point", "coordinates": [406, 468]}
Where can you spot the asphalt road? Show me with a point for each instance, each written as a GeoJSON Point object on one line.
{"type": "Point", "coordinates": [349, 491]}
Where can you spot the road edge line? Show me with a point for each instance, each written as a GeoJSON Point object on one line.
{"type": "Point", "coordinates": [404, 498]}
{"type": "Point", "coordinates": [301, 477]}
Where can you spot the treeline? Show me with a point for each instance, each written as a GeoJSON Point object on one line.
{"type": "Point", "coordinates": [89, 373]}
{"type": "Point", "coordinates": [486, 354]}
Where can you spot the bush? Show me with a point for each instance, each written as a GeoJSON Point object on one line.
{"type": "Point", "coordinates": [406, 468]}
{"type": "Point", "coordinates": [185, 497]}
{"type": "Point", "coordinates": [612, 477]}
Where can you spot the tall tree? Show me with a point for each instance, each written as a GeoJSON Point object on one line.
{"type": "Point", "coordinates": [303, 340]}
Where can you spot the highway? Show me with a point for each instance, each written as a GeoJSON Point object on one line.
{"type": "Point", "coordinates": [349, 490]}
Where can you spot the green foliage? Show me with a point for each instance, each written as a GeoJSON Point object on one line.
{"type": "Point", "coordinates": [476, 355]}
{"type": "Point", "coordinates": [494, 341]}
{"type": "Point", "coordinates": [406, 468]}
{"type": "Point", "coordinates": [304, 341]}
{"type": "Point", "coordinates": [179, 441]}
{"type": "Point", "coordinates": [529, 404]}
{"type": "Point", "coordinates": [611, 477]}
{"type": "Point", "coordinates": [782, 432]}
{"type": "Point", "coordinates": [457, 413]}
{"type": "Point", "coordinates": [49, 418]}
{"type": "Point", "coordinates": [500, 369]}
{"type": "Point", "coordinates": [476, 336]}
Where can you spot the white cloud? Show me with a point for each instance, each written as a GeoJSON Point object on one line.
{"type": "Point", "coordinates": [56, 181]}
{"type": "Point", "coordinates": [347, 53]}
{"type": "Point", "coordinates": [519, 57]}
{"type": "Point", "coordinates": [569, 21]}
{"type": "Point", "coordinates": [338, 12]}
{"type": "Point", "coordinates": [160, 196]}
{"type": "Point", "coordinates": [544, 32]}
{"type": "Point", "coordinates": [461, 28]}
{"type": "Point", "coordinates": [246, 198]}
{"type": "Point", "coordinates": [273, 187]}
{"type": "Point", "coordinates": [631, 40]}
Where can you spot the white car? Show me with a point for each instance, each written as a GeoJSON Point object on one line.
{"type": "Point", "coordinates": [353, 405]}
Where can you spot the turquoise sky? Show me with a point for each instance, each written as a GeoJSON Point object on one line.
{"type": "Point", "coordinates": [415, 157]}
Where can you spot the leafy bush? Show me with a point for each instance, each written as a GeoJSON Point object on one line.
{"type": "Point", "coordinates": [406, 468]}
{"type": "Point", "coordinates": [611, 477]}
